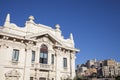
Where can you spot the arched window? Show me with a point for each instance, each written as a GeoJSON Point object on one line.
{"type": "Point", "coordinates": [43, 54]}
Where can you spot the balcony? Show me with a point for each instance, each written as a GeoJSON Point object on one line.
{"type": "Point", "coordinates": [42, 66]}
{"type": "Point", "coordinates": [45, 67]}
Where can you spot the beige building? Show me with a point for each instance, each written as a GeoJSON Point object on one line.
{"type": "Point", "coordinates": [90, 71]}
{"type": "Point", "coordinates": [110, 62]}
{"type": "Point", "coordinates": [110, 68]}
{"type": "Point", "coordinates": [81, 70]}
{"type": "Point", "coordinates": [91, 63]}
{"type": "Point", "coordinates": [35, 52]}
{"type": "Point", "coordinates": [103, 68]}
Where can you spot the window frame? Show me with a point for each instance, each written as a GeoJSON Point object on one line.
{"type": "Point", "coordinates": [31, 78]}
{"type": "Point", "coordinates": [44, 51]}
{"type": "Point", "coordinates": [15, 55]}
{"type": "Point", "coordinates": [33, 56]}
{"type": "Point", "coordinates": [65, 62]}
{"type": "Point", "coordinates": [52, 58]}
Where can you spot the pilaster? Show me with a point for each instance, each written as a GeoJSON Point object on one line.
{"type": "Point", "coordinates": [27, 63]}
{"type": "Point", "coordinates": [57, 58]}
{"type": "Point", "coordinates": [72, 60]}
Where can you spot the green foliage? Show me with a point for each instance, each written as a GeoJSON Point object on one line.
{"type": "Point", "coordinates": [80, 78]}
{"type": "Point", "coordinates": [94, 75]}
{"type": "Point", "coordinates": [117, 78]}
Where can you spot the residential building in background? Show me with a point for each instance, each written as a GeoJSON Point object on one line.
{"type": "Point", "coordinates": [104, 68]}
{"type": "Point", "coordinates": [91, 63]}
{"type": "Point", "coordinates": [81, 70]}
{"type": "Point", "coordinates": [35, 52]}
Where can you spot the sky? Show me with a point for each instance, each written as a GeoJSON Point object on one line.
{"type": "Point", "coordinates": [95, 24]}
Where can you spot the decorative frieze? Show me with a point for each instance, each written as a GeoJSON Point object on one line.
{"type": "Point", "coordinates": [13, 73]}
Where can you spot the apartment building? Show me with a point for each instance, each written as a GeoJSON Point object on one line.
{"type": "Point", "coordinates": [103, 68]}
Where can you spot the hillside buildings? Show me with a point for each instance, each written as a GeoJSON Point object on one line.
{"type": "Point", "coordinates": [35, 52]}
{"type": "Point", "coordinates": [104, 68]}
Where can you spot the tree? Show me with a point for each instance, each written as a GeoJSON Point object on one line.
{"type": "Point", "coordinates": [94, 75]}
{"type": "Point", "coordinates": [117, 78]}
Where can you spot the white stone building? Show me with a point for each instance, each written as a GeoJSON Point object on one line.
{"type": "Point", "coordinates": [35, 52]}
{"type": "Point", "coordinates": [91, 63]}
{"type": "Point", "coordinates": [81, 70]}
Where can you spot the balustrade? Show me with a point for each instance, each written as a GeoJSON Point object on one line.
{"type": "Point", "coordinates": [42, 66]}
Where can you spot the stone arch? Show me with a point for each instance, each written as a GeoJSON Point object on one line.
{"type": "Point", "coordinates": [49, 46]}
{"type": "Point", "coordinates": [44, 48]}
{"type": "Point", "coordinates": [12, 75]}
{"type": "Point", "coordinates": [43, 54]}
{"type": "Point", "coordinates": [44, 43]}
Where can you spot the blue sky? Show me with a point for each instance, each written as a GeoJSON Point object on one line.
{"type": "Point", "coordinates": [95, 24]}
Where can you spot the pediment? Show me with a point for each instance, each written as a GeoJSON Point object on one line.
{"type": "Point", "coordinates": [48, 37]}
{"type": "Point", "coordinates": [45, 36]}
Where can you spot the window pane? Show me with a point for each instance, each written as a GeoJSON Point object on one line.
{"type": "Point", "coordinates": [42, 78]}
{"type": "Point", "coordinates": [15, 55]}
{"type": "Point", "coordinates": [64, 62]}
{"type": "Point", "coordinates": [52, 59]}
{"type": "Point", "coordinates": [52, 78]}
{"type": "Point", "coordinates": [45, 55]}
{"type": "Point", "coordinates": [41, 55]}
{"type": "Point", "coordinates": [33, 56]}
{"type": "Point", "coordinates": [45, 61]}
{"type": "Point", "coordinates": [41, 60]}
{"type": "Point", "coordinates": [31, 78]}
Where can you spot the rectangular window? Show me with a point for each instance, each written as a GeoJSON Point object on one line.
{"type": "Point", "coordinates": [42, 78]}
{"type": "Point", "coordinates": [64, 62]}
{"type": "Point", "coordinates": [15, 55]}
{"type": "Point", "coordinates": [33, 56]}
{"type": "Point", "coordinates": [43, 58]}
{"type": "Point", "coordinates": [31, 78]}
{"type": "Point", "coordinates": [52, 59]}
{"type": "Point", "coordinates": [52, 78]}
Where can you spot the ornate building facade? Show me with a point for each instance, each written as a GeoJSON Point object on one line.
{"type": "Point", "coordinates": [35, 52]}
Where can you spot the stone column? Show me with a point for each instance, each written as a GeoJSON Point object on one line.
{"type": "Point", "coordinates": [57, 53]}
{"type": "Point", "coordinates": [27, 63]}
{"type": "Point", "coordinates": [49, 63]}
{"type": "Point", "coordinates": [49, 75]}
{"type": "Point", "coordinates": [72, 65]}
{"type": "Point", "coordinates": [49, 57]}
{"type": "Point", "coordinates": [37, 55]}
{"type": "Point", "coordinates": [3, 54]}
{"type": "Point", "coordinates": [36, 63]}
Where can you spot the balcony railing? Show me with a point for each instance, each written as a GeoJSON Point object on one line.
{"type": "Point", "coordinates": [42, 66]}
{"type": "Point", "coordinates": [45, 66]}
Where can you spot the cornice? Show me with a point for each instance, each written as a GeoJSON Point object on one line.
{"type": "Point", "coordinates": [68, 48]}
{"type": "Point", "coordinates": [11, 35]}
